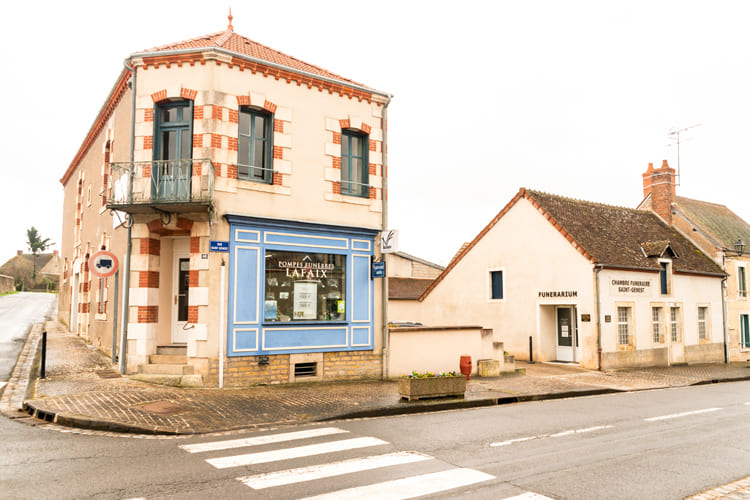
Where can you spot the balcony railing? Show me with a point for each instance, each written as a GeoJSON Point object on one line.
{"type": "Point", "coordinates": [166, 185]}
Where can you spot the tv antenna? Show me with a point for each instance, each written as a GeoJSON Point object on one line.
{"type": "Point", "coordinates": [675, 135]}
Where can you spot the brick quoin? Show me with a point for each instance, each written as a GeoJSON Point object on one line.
{"type": "Point", "coordinates": [232, 171]}
{"type": "Point", "coordinates": [148, 142]}
{"type": "Point", "coordinates": [192, 314]}
{"type": "Point", "coordinates": [337, 137]}
{"type": "Point", "coordinates": [344, 123]}
{"type": "Point", "coordinates": [155, 226]}
{"type": "Point", "coordinates": [278, 126]}
{"type": "Point", "coordinates": [373, 169]}
{"type": "Point", "coordinates": [373, 145]}
{"type": "Point", "coordinates": [195, 244]}
{"type": "Point", "coordinates": [84, 287]}
{"type": "Point", "coordinates": [148, 314]}
{"type": "Point", "coordinates": [198, 166]}
{"type": "Point", "coordinates": [278, 179]}
{"type": "Point", "coordinates": [215, 141]}
{"type": "Point", "coordinates": [269, 106]}
{"type": "Point", "coordinates": [217, 112]}
{"type": "Point", "coordinates": [147, 171]}
{"type": "Point", "coordinates": [278, 153]}
{"type": "Point", "coordinates": [148, 115]}
{"type": "Point", "coordinates": [234, 116]}
{"type": "Point", "coordinates": [194, 277]}
{"type": "Point", "coordinates": [336, 187]}
{"type": "Point", "coordinates": [373, 193]}
{"type": "Point", "coordinates": [232, 144]}
{"type": "Point", "coordinates": [84, 307]}
{"type": "Point", "coordinates": [337, 162]}
{"type": "Point", "coordinates": [185, 224]}
{"type": "Point", "coordinates": [366, 128]}
{"type": "Point", "coordinates": [159, 96]}
{"type": "Point", "coordinates": [150, 246]}
{"type": "Point", "coordinates": [197, 140]}
{"type": "Point", "coordinates": [148, 279]}
{"type": "Point", "coordinates": [198, 112]}
{"type": "Point", "coordinates": [243, 100]}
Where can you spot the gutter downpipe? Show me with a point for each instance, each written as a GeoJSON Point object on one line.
{"type": "Point", "coordinates": [597, 268]}
{"type": "Point", "coordinates": [724, 308]}
{"type": "Point", "coordinates": [126, 264]}
{"type": "Point", "coordinates": [384, 284]}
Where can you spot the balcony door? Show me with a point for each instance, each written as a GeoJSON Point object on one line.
{"type": "Point", "coordinates": [173, 151]}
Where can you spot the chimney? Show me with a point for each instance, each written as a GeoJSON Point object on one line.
{"type": "Point", "coordinates": [660, 184]}
{"type": "Point", "coordinates": [19, 252]}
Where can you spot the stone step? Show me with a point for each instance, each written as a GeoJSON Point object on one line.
{"type": "Point", "coordinates": [172, 350]}
{"type": "Point", "coordinates": [167, 359]}
{"type": "Point", "coordinates": [166, 369]}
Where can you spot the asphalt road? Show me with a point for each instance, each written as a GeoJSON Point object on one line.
{"type": "Point", "coordinates": [18, 313]}
{"type": "Point", "coordinates": [663, 444]}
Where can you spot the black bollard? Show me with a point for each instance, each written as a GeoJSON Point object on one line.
{"type": "Point", "coordinates": [531, 351]}
{"type": "Point", "coordinates": [44, 354]}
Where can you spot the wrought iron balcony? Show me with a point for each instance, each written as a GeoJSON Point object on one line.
{"type": "Point", "coordinates": [175, 186]}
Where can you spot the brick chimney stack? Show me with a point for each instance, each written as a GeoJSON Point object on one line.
{"type": "Point", "coordinates": [19, 252]}
{"type": "Point", "coordinates": [660, 184]}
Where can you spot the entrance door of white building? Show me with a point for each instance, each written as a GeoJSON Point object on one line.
{"type": "Point", "coordinates": [567, 334]}
{"type": "Point", "coordinates": [180, 292]}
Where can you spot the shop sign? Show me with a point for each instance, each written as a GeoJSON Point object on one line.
{"type": "Point", "coordinates": [378, 269]}
{"type": "Point", "coordinates": [557, 294]}
{"type": "Point", "coordinates": [306, 268]}
{"type": "Point", "coordinates": [389, 241]}
{"type": "Point", "coordinates": [630, 287]}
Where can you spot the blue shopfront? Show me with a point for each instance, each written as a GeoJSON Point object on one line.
{"type": "Point", "coordinates": [298, 287]}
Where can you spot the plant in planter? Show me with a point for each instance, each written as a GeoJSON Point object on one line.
{"type": "Point", "coordinates": [422, 385]}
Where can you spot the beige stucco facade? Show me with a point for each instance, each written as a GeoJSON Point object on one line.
{"type": "Point", "coordinates": [547, 277]}
{"type": "Point", "coordinates": [303, 197]}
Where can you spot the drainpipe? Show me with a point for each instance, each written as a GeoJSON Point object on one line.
{"type": "Point", "coordinates": [126, 264]}
{"type": "Point", "coordinates": [598, 268]}
{"type": "Point", "coordinates": [384, 191]}
{"type": "Point", "coordinates": [724, 310]}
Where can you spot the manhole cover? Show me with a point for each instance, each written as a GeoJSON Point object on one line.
{"type": "Point", "coordinates": [108, 374]}
{"type": "Point", "coordinates": [159, 407]}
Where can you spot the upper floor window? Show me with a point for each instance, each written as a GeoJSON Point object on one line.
{"type": "Point", "coordinates": [742, 281]}
{"type": "Point", "coordinates": [666, 268]}
{"type": "Point", "coordinates": [173, 150]}
{"type": "Point", "coordinates": [355, 164]}
{"type": "Point", "coordinates": [255, 145]}
{"type": "Point", "coordinates": [496, 285]}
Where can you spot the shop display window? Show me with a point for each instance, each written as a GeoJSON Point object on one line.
{"type": "Point", "coordinates": [303, 286]}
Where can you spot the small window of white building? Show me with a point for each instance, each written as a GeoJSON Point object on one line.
{"type": "Point", "coordinates": [741, 281]}
{"type": "Point", "coordinates": [496, 285]}
{"type": "Point", "coordinates": [674, 324]}
{"type": "Point", "coordinates": [702, 323]}
{"type": "Point", "coordinates": [657, 329]}
{"type": "Point", "coordinates": [623, 325]}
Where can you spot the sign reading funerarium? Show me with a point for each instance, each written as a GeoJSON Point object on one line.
{"type": "Point", "coordinates": [556, 294]}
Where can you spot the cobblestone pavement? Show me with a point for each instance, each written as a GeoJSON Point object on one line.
{"type": "Point", "coordinates": [82, 390]}
{"type": "Point", "coordinates": [737, 490]}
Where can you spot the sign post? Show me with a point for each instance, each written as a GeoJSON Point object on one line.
{"type": "Point", "coordinates": [105, 264]}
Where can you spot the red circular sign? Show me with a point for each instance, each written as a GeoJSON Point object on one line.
{"type": "Point", "coordinates": [103, 264]}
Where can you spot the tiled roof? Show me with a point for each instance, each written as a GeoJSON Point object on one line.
{"type": "Point", "coordinates": [612, 236]}
{"type": "Point", "coordinates": [407, 288]}
{"type": "Point", "coordinates": [722, 225]}
{"type": "Point", "coordinates": [231, 41]}
{"type": "Point", "coordinates": [604, 234]}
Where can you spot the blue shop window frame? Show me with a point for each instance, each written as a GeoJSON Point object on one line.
{"type": "Point", "coordinates": [249, 335]}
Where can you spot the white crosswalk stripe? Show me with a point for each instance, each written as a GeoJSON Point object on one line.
{"type": "Point", "coordinates": [278, 448]}
{"type": "Point", "coordinates": [333, 469]}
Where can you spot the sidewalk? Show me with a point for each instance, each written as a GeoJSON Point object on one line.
{"type": "Point", "coordinates": [82, 389]}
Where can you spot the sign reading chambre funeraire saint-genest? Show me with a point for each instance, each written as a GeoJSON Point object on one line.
{"type": "Point", "coordinates": [619, 286]}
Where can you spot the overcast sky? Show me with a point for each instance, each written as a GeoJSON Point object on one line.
{"type": "Point", "coordinates": [572, 98]}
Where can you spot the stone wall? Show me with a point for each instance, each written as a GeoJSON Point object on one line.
{"type": "Point", "coordinates": [7, 284]}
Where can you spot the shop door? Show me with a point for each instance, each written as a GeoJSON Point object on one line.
{"type": "Point", "coordinates": [567, 334]}
{"type": "Point", "coordinates": [180, 326]}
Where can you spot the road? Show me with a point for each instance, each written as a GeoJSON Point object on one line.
{"type": "Point", "coordinates": [663, 444]}
{"type": "Point", "coordinates": [18, 312]}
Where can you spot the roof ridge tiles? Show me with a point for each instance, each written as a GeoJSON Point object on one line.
{"type": "Point", "coordinates": [579, 200]}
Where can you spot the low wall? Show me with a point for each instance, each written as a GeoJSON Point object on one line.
{"type": "Point", "coordinates": [640, 358]}
{"type": "Point", "coordinates": [7, 284]}
{"type": "Point", "coordinates": [704, 353]}
{"type": "Point", "coordinates": [437, 349]}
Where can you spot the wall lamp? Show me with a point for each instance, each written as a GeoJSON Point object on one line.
{"type": "Point", "coordinates": [263, 360]}
{"type": "Point", "coordinates": [739, 248]}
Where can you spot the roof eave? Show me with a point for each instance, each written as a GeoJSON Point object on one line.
{"type": "Point", "coordinates": [175, 52]}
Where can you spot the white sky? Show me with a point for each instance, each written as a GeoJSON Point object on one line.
{"type": "Point", "coordinates": [573, 98]}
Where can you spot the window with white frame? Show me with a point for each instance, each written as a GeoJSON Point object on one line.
{"type": "Point", "coordinates": [742, 281]}
{"type": "Point", "coordinates": [674, 324]}
{"type": "Point", "coordinates": [623, 325]}
{"type": "Point", "coordinates": [496, 285]}
{"type": "Point", "coordinates": [702, 323]}
{"type": "Point", "coordinates": [745, 331]}
{"type": "Point", "coordinates": [656, 325]}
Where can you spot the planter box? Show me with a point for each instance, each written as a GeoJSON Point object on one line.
{"type": "Point", "coordinates": [431, 387]}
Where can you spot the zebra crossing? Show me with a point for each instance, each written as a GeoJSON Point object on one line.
{"type": "Point", "coordinates": [314, 445]}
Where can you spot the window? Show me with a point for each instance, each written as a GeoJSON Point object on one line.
{"type": "Point", "coordinates": [355, 163]}
{"type": "Point", "coordinates": [674, 324]}
{"type": "Point", "coordinates": [664, 278]}
{"type": "Point", "coordinates": [173, 150]}
{"type": "Point", "coordinates": [623, 325]}
{"type": "Point", "coordinates": [702, 327]}
{"type": "Point", "coordinates": [656, 325]}
{"type": "Point", "coordinates": [255, 146]}
{"type": "Point", "coordinates": [305, 287]}
{"type": "Point", "coordinates": [496, 285]}
{"type": "Point", "coordinates": [742, 281]}
{"type": "Point", "coordinates": [745, 331]}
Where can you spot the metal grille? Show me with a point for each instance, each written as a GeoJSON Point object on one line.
{"type": "Point", "coordinates": [305, 369]}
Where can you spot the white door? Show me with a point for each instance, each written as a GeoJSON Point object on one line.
{"type": "Point", "coordinates": [567, 335]}
{"type": "Point", "coordinates": [180, 292]}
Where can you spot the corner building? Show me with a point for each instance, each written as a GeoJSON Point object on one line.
{"type": "Point", "coordinates": [253, 195]}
